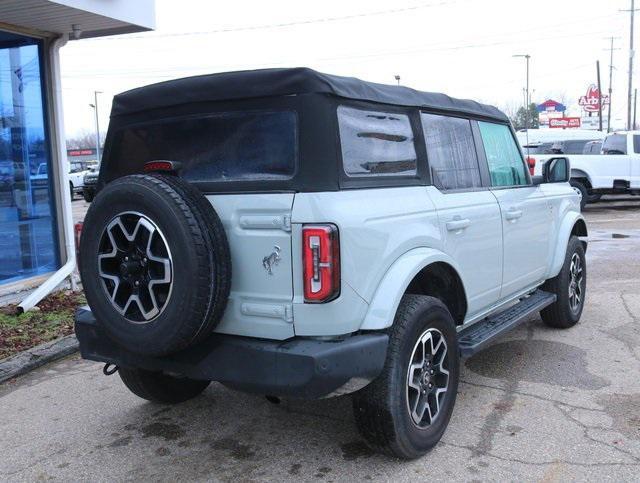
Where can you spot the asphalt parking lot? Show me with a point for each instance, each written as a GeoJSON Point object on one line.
{"type": "Point", "coordinates": [541, 404]}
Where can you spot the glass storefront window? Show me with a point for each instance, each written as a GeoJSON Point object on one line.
{"type": "Point", "coordinates": [27, 218]}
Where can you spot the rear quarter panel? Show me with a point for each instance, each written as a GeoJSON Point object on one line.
{"type": "Point", "coordinates": [376, 227]}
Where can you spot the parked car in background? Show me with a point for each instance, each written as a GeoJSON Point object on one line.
{"type": "Point", "coordinates": [615, 171]}
{"type": "Point", "coordinates": [535, 141]}
{"type": "Point", "coordinates": [77, 172]}
{"type": "Point", "coordinates": [89, 184]}
{"type": "Point", "coordinates": [375, 234]}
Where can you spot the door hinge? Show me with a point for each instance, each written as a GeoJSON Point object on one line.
{"type": "Point", "coordinates": [275, 311]}
{"type": "Point", "coordinates": [266, 222]}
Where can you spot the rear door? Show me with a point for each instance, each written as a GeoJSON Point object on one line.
{"type": "Point", "coordinates": [525, 211]}
{"type": "Point", "coordinates": [258, 228]}
{"type": "Point", "coordinates": [468, 213]}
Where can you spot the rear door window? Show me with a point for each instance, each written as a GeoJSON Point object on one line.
{"type": "Point", "coordinates": [506, 166]}
{"type": "Point", "coordinates": [451, 152]}
{"type": "Point", "coordinates": [376, 143]}
{"type": "Point", "coordinates": [240, 146]}
{"type": "Point", "coordinates": [615, 144]}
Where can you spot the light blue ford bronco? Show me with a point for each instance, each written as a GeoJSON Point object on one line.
{"type": "Point", "coordinates": [304, 235]}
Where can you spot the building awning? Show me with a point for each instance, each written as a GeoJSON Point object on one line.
{"type": "Point", "coordinates": [93, 18]}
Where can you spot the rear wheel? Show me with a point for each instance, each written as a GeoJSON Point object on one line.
{"type": "Point", "coordinates": [87, 195]}
{"type": "Point", "coordinates": [569, 286]}
{"type": "Point", "coordinates": [580, 186]}
{"type": "Point", "coordinates": [158, 387]}
{"type": "Point", "coordinates": [406, 410]}
{"type": "Point", "coordinates": [71, 190]}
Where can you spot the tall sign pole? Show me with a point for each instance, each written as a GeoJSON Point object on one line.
{"type": "Point", "coordinates": [631, 53]}
{"type": "Point", "coordinates": [599, 97]}
{"type": "Point", "coordinates": [611, 49]}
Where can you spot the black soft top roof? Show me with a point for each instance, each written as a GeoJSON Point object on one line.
{"type": "Point", "coordinates": [282, 82]}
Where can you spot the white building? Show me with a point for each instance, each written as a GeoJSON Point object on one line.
{"type": "Point", "coordinates": [36, 229]}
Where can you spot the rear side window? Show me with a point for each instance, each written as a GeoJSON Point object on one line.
{"type": "Point", "coordinates": [615, 144]}
{"type": "Point", "coordinates": [573, 147]}
{"type": "Point", "coordinates": [244, 146]}
{"type": "Point", "coordinates": [451, 152]}
{"type": "Point", "coordinates": [376, 143]}
{"type": "Point", "coordinates": [636, 143]}
{"type": "Point", "coordinates": [506, 166]}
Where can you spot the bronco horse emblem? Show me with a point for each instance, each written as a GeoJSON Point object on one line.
{"type": "Point", "coordinates": [271, 260]}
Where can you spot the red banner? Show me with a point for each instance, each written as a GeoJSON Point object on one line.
{"type": "Point", "coordinates": [562, 122]}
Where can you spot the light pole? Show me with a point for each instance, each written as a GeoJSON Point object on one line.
{"type": "Point", "coordinates": [95, 108]}
{"type": "Point", "coordinates": [397, 78]}
{"type": "Point", "coordinates": [527, 98]}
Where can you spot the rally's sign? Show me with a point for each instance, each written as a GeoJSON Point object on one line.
{"type": "Point", "coordinates": [563, 122]}
{"type": "Point", "coordinates": [591, 101]}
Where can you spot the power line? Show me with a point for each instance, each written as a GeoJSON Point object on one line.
{"type": "Point", "coordinates": [283, 24]}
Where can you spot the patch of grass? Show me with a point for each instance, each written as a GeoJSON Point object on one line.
{"type": "Point", "coordinates": [53, 320]}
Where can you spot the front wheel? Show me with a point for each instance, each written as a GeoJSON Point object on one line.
{"type": "Point", "coordinates": [158, 387]}
{"type": "Point", "coordinates": [405, 411]}
{"type": "Point", "coordinates": [87, 195]}
{"type": "Point", "coordinates": [569, 286]}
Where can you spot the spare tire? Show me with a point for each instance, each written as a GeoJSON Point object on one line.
{"type": "Point", "coordinates": [155, 263]}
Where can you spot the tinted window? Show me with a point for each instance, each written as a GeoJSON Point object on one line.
{"type": "Point", "coordinates": [592, 147]}
{"type": "Point", "coordinates": [636, 143]}
{"type": "Point", "coordinates": [451, 152]}
{"type": "Point", "coordinates": [376, 143]}
{"type": "Point", "coordinates": [573, 147]}
{"type": "Point", "coordinates": [505, 162]}
{"type": "Point", "coordinates": [222, 147]}
{"type": "Point", "coordinates": [615, 144]}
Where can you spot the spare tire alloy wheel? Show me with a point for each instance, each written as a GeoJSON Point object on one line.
{"type": "Point", "coordinates": [427, 378]}
{"type": "Point", "coordinates": [155, 264]}
{"type": "Point", "coordinates": [135, 266]}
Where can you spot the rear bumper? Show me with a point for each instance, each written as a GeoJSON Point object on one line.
{"type": "Point", "coordinates": [296, 367]}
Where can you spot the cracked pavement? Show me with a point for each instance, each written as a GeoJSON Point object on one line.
{"type": "Point", "coordinates": [540, 404]}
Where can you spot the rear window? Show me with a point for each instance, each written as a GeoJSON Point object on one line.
{"type": "Point", "coordinates": [615, 144]}
{"type": "Point", "coordinates": [376, 143]}
{"type": "Point", "coordinates": [242, 146]}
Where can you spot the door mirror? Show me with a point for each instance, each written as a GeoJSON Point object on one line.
{"type": "Point", "coordinates": [556, 170]}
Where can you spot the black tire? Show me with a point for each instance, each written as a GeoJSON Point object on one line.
{"type": "Point", "coordinates": [381, 409]}
{"type": "Point", "coordinates": [88, 196]}
{"type": "Point", "coordinates": [71, 190]}
{"type": "Point", "coordinates": [158, 387]}
{"type": "Point", "coordinates": [594, 198]}
{"type": "Point", "coordinates": [580, 186]}
{"type": "Point", "coordinates": [561, 314]}
{"type": "Point", "coordinates": [200, 266]}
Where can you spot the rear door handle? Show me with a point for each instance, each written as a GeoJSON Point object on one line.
{"type": "Point", "coordinates": [458, 224]}
{"type": "Point", "coordinates": [513, 214]}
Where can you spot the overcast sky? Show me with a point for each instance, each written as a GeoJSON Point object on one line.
{"type": "Point", "coordinates": [463, 48]}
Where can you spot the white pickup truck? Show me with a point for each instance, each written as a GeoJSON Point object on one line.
{"type": "Point", "coordinates": [616, 170]}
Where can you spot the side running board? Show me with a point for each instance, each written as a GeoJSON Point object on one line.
{"type": "Point", "coordinates": [474, 338]}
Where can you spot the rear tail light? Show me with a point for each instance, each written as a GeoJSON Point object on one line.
{"type": "Point", "coordinates": [321, 262]}
{"type": "Point", "coordinates": [531, 163]}
{"type": "Point", "coordinates": [77, 233]}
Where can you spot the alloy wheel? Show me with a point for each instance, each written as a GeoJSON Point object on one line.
{"type": "Point", "coordinates": [576, 282]}
{"type": "Point", "coordinates": [427, 378]}
{"type": "Point", "coordinates": [135, 267]}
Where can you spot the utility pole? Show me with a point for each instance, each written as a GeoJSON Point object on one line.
{"type": "Point", "coordinates": [95, 108]}
{"type": "Point", "coordinates": [611, 49]}
{"type": "Point", "coordinates": [527, 98]}
{"type": "Point", "coordinates": [631, 53]}
{"type": "Point", "coordinates": [635, 101]}
{"type": "Point", "coordinates": [599, 97]}
{"type": "Point", "coordinates": [397, 77]}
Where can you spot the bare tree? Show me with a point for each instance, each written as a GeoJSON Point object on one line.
{"type": "Point", "coordinates": [82, 140]}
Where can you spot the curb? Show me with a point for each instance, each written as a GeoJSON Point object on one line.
{"type": "Point", "coordinates": [26, 361]}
